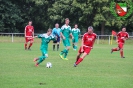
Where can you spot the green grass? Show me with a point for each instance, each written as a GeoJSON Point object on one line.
{"type": "Point", "coordinates": [100, 69]}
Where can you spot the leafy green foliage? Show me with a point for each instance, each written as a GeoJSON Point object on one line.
{"type": "Point", "coordinates": [45, 13]}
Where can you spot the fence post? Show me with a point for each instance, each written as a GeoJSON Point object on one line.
{"type": "Point", "coordinates": [98, 40]}
{"type": "Point", "coordinates": [109, 39]}
{"type": "Point", "coordinates": [12, 37]}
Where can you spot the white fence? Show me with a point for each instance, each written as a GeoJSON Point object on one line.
{"type": "Point", "coordinates": [104, 37]}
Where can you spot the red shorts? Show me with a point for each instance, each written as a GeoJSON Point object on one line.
{"type": "Point", "coordinates": [27, 39]}
{"type": "Point", "coordinates": [120, 45]}
{"type": "Point", "coordinates": [86, 49]}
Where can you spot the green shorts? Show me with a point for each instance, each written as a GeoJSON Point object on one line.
{"type": "Point", "coordinates": [66, 42]}
{"type": "Point", "coordinates": [75, 40]}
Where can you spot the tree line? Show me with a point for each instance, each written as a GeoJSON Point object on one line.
{"type": "Point", "coordinates": [15, 15]}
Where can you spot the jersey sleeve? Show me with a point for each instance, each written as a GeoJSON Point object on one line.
{"type": "Point", "coordinates": [127, 35]}
{"type": "Point", "coordinates": [40, 35]}
{"type": "Point", "coordinates": [52, 37]}
{"type": "Point", "coordinates": [62, 28]}
{"type": "Point", "coordinates": [70, 30]}
{"type": "Point", "coordinates": [79, 32]}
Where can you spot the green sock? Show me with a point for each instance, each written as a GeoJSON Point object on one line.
{"type": "Point", "coordinates": [75, 46]}
{"type": "Point", "coordinates": [42, 58]}
{"type": "Point", "coordinates": [66, 53]}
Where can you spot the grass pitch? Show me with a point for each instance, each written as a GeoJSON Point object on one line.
{"type": "Point", "coordinates": [100, 69]}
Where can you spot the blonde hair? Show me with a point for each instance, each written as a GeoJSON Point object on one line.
{"type": "Point", "coordinates": [66, 19]}
{"type": "Point", "coordinates": [49, 30]}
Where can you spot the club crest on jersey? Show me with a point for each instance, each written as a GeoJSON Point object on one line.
{"type": "Point", "coordinates": [121, 9]}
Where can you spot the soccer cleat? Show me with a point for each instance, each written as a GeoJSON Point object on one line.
{"type": "Point", "coordinates": [75, 65]}
{"type": "Point", "coordinates": [35, 59]}
{"type": "Point", "coordinates": [122, 57]}
{"type": "Point", "coordinates": [65, 59]}
{"type": "Point", "coordinates": [111, 51]}
{"type": "Point", "coordinates": [36, 65]}
{"type": "Point", "coordinates": [29, 49]}
{"type": "Point", "coordinates": [61, 56]}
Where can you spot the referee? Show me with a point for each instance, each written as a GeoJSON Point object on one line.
{"type": "Point", "coordinates": [56, 32]}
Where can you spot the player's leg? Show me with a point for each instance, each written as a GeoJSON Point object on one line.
{"type": "Point", "coordinates": [86, 52]}
{"type": "Point", "coordinates": [31, 43]}
{"type": "Point", "coordinates": [54, 43]}
{"type": "Point", "coordinates": [67, 49]}
{"type": "Point", "coordinates": [115, 49]}
{"type": "Point", "coordinates": [41, 58]}
{"type": "Point", "coordinates": [73, 41]}
{"type": "Point", "coordinates": [121, 50]}
{"type": "Point", "coordinates": [26, 42]}
{"type": "Point", "coordinates": [63, 51]}
{"type": "Point", "coordinates": [58, 43]}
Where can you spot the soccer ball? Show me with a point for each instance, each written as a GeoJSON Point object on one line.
{"type": "Point", "coordinates": [49, 65]}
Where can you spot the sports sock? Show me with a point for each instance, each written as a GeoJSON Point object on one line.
{"type": "Point", "coordinates": [25, 46]}
{"type": "Point", "coordinates": [121, 53]}
{"type": "Point", "coordinates": [58, 47]}
{"type": "Point", "coordinates": [42, 58]}
{"type": "Point", "coordinates": [65, 55]}
{"type": "Point", "coordinates": [53, 47]}
{"type": "Point", "coordinates": [79, 60]}
{"type": "Point", "coordinates": [115, 49]}
{"type": "Point", "coordinates": [30, 45]}
{"type": "Point", "coordinates": [64, 51]}
{"type": "Point", "coordinates": [73, 46]}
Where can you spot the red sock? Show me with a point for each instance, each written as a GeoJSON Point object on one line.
{"type": "Point", "coordinates": [79, 60]}
{"type": "Point", "coordinates": [121, 52]}
{"type": "Point", "coordinates": [115, 49]}
{"type": "Point", "coordinates": [25, 46]}
{"type": "Point", "coordinates": [30, 45]}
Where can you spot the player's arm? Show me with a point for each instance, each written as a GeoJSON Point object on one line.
{"type": "Point", "coordinates": [25, 31]}
{"type": "Point", "coordinates": [33, 33]}
{"type": "Point", "coordinates": [71, 33]}
{"type": "Point", "coordinates": [61, 34]}
{"type": "Point", "coordinates": [82, 44]}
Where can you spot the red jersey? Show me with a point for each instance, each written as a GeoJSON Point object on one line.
{"type": "Point", "coordinates": [89, 39]}
{"type": "Point", "coordinates": [121, 35]}
{"type": "Point", "coordinates": [29, 30]}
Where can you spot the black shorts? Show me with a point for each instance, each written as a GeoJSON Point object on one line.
{"type": "Point", "coordinates": [58, 40]}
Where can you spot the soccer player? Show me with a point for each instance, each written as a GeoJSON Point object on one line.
{"type": "Point", "coordinates": [75, 33]}
{"type": "Point", "coordinates": [44, 46]}
{"type": "Point", "coordinates": [29, 34]}
{"type": "Point", "coordinates": [65, 34]}
{"type": "Point", "coordinates": [86, 45]}
{"type": "Point", "coordinates": [121, 37]}
{"type": "Point", "coordinates": [56, 32]}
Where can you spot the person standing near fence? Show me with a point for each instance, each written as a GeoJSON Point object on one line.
{"type": "Point", "coordinates": [75, 33]}
{"type": "Point", "coordinates": [29, 35]}
{"type": "Point", "coordinates": [56, 32]}
{"type": "Point", "coordinates": [121, 37]}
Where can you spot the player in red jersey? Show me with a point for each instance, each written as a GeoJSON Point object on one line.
{"type": "Point", "coordinates": [86, 45]}
{"type": "Point", "coordinates": [29, 35]}
{"type": "Point", "coordinates": [121, 37]}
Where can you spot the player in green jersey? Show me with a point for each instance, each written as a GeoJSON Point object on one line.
{"type": "Point", "coordinates": [65, 34]}
{"type": "Point", "coordinates": [75, 33]}
{"type": "Point", "coordinates": [44, 46]}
